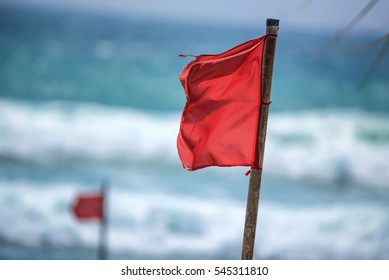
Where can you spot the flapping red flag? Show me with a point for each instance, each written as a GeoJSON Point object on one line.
{"type": "Point", "coordinates": [219, 124]}
{"type": "Point", "coordinates": [89, 206]}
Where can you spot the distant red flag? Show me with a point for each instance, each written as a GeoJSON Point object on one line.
{"type": "Point", "coordinates": [219, 124]}
{"type": "Point", "coordinates": [89, 206]}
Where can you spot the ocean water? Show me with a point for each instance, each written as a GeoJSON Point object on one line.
{"type": "Point", "coordinates": [87, 97]}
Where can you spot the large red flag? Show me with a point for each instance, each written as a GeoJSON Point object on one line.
{"type": "Point", "coordinates": [219, 124]}
{"type": "Point", "coordinates": [89, 206]}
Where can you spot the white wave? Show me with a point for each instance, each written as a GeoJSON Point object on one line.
{"type": "Point", "coordinates": [324, 145]}
{"type": "Point", "coordinates": [56, 132]}
{"type": "Point", "coordinates": [143, 223]}
{"type": "Point", "coordinates": [325, 231]}
{"type": "Point", "coordinates": [329, 145]}
{"type": "Point", "coordinates": [159, 225]}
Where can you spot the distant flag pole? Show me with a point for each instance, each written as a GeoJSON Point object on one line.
{"type": "Point", "coordinates": [102, 254]}
{"type": "Point", "coordinates": [91, 206]}
{"type": "Point", "coordinates": [256, 174]}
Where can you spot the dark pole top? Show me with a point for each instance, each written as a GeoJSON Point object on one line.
{"type": "Point", "coordinates": [272, 22]}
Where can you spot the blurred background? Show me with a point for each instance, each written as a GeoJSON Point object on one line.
{"type": "Point", "coordinates": [89, 91]}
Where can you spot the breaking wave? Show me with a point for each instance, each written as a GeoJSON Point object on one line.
{"type": "Point", "coordinates": [157, 225]}
{"type": "Point", "coordinates": [324, 145]}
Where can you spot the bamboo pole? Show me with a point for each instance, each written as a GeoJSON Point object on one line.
{"type": "Point", "coordinates": [256, 175]}
{"type": "Point", "coordinates": [102, 251]}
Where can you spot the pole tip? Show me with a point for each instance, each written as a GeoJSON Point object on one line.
{"type": "Point", "coordinates": [272, 22]}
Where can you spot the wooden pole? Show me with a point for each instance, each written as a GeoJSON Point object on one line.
{"type": "Point", "coordinates": [102, 251]}
{"type": "Point", "coordinates": [256, 175]}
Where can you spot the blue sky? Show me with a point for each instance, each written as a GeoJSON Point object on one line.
{"type": "Point", "coordinates": [323, 14]}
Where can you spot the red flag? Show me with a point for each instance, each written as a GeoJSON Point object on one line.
{"type": "Point", "coordinates": [89, 206]}
{"type": "Point", "coordinates": [219, 124]}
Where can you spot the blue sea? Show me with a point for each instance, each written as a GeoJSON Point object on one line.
{"type": "Point", "coordinates": [86, 97]}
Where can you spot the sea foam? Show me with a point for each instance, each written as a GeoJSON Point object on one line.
{"type": "Point", "coordinates": [341, 146]}
{"type": "Point", "coordinates": [158, 225]}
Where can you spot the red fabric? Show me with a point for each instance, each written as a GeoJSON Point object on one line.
{"type": "Point", "coordinates": [219, 124]}
{"type": "Point", "coordinates": [89, 206]}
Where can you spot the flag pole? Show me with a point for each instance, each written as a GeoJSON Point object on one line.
{"type": "Point", "coordinates": [256, 175]}
{"type": "Point", "coordinates": [102, 251]}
